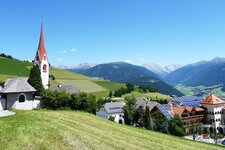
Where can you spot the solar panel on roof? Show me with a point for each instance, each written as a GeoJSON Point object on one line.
{"type": "Point", "coordinates": [165, 108]}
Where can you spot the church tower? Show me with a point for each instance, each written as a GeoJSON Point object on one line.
{"type": "Point", "coordinates": [42, 60]}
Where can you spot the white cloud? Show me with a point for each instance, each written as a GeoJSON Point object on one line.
{"type": "Point", "coordinates": [73, 50]}
{"type": "Point", "coordinates": [128, 61]}
{"type": "Point", "coordinates": [59, 59]}
{"type": "Point", "coordinates": [63, 51]}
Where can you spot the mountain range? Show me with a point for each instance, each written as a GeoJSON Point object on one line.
{"type": "Point", "coordinates": [209, 74]}
{"type": "Point", "coordinates": [203, 73]}
{"type": "Point", "coordinates": [124, 73]}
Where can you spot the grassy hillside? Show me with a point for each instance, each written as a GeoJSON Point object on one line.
{"type": "Point", "coordinates": [155, 96]}
{"type": "Point", "coordinates": [12, 67]}
{"type": "Point", "coordinates": [41, 129]}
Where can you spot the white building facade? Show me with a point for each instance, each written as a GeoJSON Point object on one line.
{"type": "Point", "coordinates": [114, 109]}
{"type": "Point", "coordinates": [215, 113]}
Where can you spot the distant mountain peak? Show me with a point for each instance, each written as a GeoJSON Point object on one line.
{"type": "Point", "coordinates": [162, 71]}
{"type": "Point", "coordinates": [79, 66]}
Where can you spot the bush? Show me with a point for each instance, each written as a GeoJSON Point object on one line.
{"type": "Point", "coordinates": [112, 118]}
{"type": "Point", "coordinates": [62, 100]}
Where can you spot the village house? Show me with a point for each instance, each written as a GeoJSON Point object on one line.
{"type": "Point", "coordinates": [114, 109]}
{"type": "Point", "coordinates": [66, 88]}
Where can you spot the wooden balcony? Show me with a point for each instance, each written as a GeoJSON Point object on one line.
{"type": "Point", "coordinates": [193, 117]}
{"type": "Point", "coordinates": [193, 125]}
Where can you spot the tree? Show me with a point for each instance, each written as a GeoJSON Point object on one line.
{"type": "Point", "coordinates": [102, 101]}
{"type": "Point", "coordinates": [130, 87]}
{"type": "Point", "coordinates": [91, 104]}
{"type": "Point", "coordinates": [129, 110]}
{"type": "Point", "coordinates": [35, 79]}
{"type": "Point", "coordinates": [161, 124]}
{"type": "Point", "coordinates": [176, 126]}
{"type": "Point", "coordinates": [147, 118]}
{"type": "Point", "coordinates": [110, 93]}
{"type": "Point", "coordinates": [139, 117]}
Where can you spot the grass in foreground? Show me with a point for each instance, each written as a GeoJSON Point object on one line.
{"type": "Point", "coordinates": [42, 129]}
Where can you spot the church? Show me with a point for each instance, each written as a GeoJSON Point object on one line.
{"type": "Point", "coordinates": [17, 93]}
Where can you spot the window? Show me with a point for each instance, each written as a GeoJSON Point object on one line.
{"type": "Point", "coordinates": [44, 68]}
{"type": "Point", "coordinates": [22, 98]}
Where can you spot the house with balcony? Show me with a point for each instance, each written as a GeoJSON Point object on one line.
{"type": "Point", "coordinates": [191, 116]}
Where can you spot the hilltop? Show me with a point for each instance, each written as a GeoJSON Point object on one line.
{"type": "Point", "coordinates": [43, 129]}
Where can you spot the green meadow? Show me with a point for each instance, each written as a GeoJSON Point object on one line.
{"type": "Point", "coordinates": [45, 129]}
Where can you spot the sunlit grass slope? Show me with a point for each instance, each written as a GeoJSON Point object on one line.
{"type": "Point", "coordinates": [42, 129]}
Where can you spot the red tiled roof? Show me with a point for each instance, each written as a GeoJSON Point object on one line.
{"type": "Point", "coordinates": [212, 100]}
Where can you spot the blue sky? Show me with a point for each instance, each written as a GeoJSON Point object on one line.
{"type": "Point", "coordinates": [97, 31]}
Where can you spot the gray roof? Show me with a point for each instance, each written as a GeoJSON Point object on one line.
{"type": "Point", "coordinates": [114, 107]}
{"type": "Point", "coordinates": [145, 102]}
{"type": "Point", "coordinates": [66, 88]}
{"type": "Point", "coordinates": [17, 85]}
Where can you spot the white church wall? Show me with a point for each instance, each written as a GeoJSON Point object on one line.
{"type": "Point", "coordinates": [13, 101]}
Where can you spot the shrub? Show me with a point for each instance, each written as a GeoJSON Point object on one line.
{"type": "Point", "coordinates": [112, 118]}
{"type": "Point", "coordinates": [62, 100]}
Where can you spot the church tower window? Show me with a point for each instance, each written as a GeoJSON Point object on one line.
{"type": "Point", "coordinates": [44, 68]}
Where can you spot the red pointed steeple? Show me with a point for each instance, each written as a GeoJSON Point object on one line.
{"type": "Point", "coordinates": [41, 47]}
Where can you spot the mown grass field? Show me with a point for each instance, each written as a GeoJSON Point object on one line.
{"type": "Point", "coordinates": [109, 84]}
{"type": "Point", "coordinates": [154, 96]}
{"type": "Point", "coordinates": [67, 75]}
{"type": "Point", "coordinates": [83, 85]}
{"type": "Point", "coordinates": [58, 130]}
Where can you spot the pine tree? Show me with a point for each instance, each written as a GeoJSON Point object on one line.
{"type": "Point", "coordinates": [147, 118]}
{"type": "Point", "coordinates": [129, 110]}
{"type": "Point", "coordinates": [35, 79]}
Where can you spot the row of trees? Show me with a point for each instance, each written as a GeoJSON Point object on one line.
{"type": "Point", "coordinates": [123, 90]}
{"type": "Point", "coordinates": [6, 56]}
{"type": "Point", "coordinates": [62, 100]}
{"type": "Point", "coordinates": [136, 116]}
{"type": "Point", "coordinates": [129, 88]}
